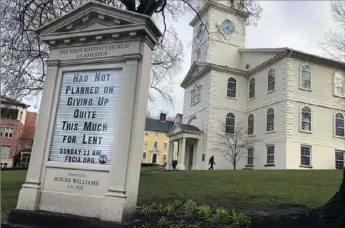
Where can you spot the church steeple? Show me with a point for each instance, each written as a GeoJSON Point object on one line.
{"type": "Point", "coordinates": [220, 34]}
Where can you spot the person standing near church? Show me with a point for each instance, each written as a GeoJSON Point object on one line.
{"type": "Point", "coordinates": [211, 162]}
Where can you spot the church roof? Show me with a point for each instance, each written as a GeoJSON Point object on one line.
{"type": "Point", "coordinates": [293, 53]}
{"type": "Point", "coordinates": [188, 127]}
{"type": "Point", "coordinates": [158, 125]}
{"type": "Point", "coordinates": [200, 68]}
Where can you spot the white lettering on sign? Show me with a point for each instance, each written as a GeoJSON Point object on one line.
{"type": "Point", "coordinates": [85, 123]}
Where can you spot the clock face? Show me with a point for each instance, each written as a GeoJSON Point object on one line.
{"type": "Point", "coordinates": [200, 32]}
{"type": "Point", "coordinates": [227, 27]}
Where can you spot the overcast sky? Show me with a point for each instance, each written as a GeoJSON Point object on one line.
{"type": "Point", "coordinates": [296, 24]}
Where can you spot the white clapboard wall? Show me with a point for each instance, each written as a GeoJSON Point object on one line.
{"type": "Point", "coordinates": [67, 143]}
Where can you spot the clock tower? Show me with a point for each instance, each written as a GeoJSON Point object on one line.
{"type": "Point", "coordinates": [219, 34]}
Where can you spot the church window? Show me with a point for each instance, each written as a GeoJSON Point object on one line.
{"type": "Point", "coordinates": [252, 88]}
{"type": "Point", "coordinates": [196, 94]}
{"type": "Point", "coordinates": [339, 159]}
{"type": "Point", "coordinates": [230, 123]}
{"type": "Point", "coordinates": [250, 124]}
{"type": "Point", "coordinates": [270, 120]}
{"type": "Point", "coordinates": [339, 125]}
{"type": "Point", "coordinates": [338, 84]}
{"type": "Point", "coordinates": [305, 119]}
{"type": "Point", "coordinates": [231, 87]}
{"type": "Point", "coordinates": [305, 76]}
{"type": "Point", "coordinates": [271, 80]}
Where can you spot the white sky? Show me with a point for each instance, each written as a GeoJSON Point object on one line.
{"type": "Point", "coordinates": [296, 24]}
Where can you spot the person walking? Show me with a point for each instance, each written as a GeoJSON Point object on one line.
{"type": "Point", "coordinates": [211, 162]}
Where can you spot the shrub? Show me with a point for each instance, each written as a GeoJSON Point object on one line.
{"type": "Point", "coordinates": [162, 222]}
{"type": "Point", "coordinates": [171, 208]}
{"type": "Point", "coordinates": [204, 211]}
{"type": "Point", "coordinates": [174, 164]}
{"type": "Point", "coordinates": [221, 216]}
{"type": "Point", "coordinates": [239, 219]}
{"type": "Point", "coordinates": [190, 207]}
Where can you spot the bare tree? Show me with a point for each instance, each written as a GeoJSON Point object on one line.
{"type": "Point", "coordinates": [335, 40]}
{"type": "Point", "coordinates": [23, 53]}
{"type": "Point", "coordinates": [232, 142]}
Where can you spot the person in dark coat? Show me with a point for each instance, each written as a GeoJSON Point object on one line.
{"type": "Point", "coordinates": [211, 162]}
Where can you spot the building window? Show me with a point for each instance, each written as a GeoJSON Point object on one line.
{"type": "Point", "coordinates": [339, 84]}
{"type": "Point", "coordinates": [165, 145]}
{"type": "Point", "coordinates": [305, 155]}
{"type": "Point", "coordinates": [270, 120]}
{"type": "Point", "coordinates": [198, 54]}
{"type": "Point", "coordinates": [252, 88]}
{"type": "Point", "coordinates": [156, 133]}
{"type": "Point", "coordinates": [230, 123]}
{"type": "Point", "coordinates": [339, 159]}
{"type": "Point", "coordinates": [305, 75]}
{"type": "Point", "coordinates": [192, 97]}
{"type": "Point", "coordinates": [270, 154]}
{"type": "Point", "coordinates": [271, 80]}
{"type": "Point", "coordinates": [144, 155]}
{"type": "Point", "coordinates": [155, 144]}
{"type": "Point", "coordinates": [8, 132]}
{"type": "Point", "coordinates": [231, 87]}
{"type": "Point", "coordinates": [196, 95]}
{"type": "Point", "coordinates": [305, 119]}
{"type": "Point", "coordinates": [203, 157]}
{"type": "Point", "coordinates": [250, 157]}
{"type": "Point", "coordinates": [250, 124]}
{"type": "Point", "coordinates": [5, 152]}
{"type": "Point", "coordinates": [145, 143]}
{"type": "Point", "coordinates": [339, 125]}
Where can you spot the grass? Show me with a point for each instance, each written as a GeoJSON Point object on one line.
{"type": "Point", "coordinates": [245, 190]}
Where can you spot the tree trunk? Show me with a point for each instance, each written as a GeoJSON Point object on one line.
{"type": "Point", "coordinates": [332, 213]}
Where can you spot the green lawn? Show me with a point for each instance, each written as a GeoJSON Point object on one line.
{"type": "Point", "coordinates": [247, 190]}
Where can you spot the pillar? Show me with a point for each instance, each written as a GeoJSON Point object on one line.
{"type": "Point", "coordinates": [181, 157]}
{"type": "Point", "coordinates": [170, 156]}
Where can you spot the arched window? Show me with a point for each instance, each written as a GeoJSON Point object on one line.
{"type": "Point", "coordinates": [305, 76]}
{"type": "Point", "coordinates": [252, 88]}
{"type": "Point", "coordinates": [230, 123]}
{"type": "Point", "coordinates": [271, 80]}
{"type": "Point", "coordinates": [270, 120]}
{"type": "Point", "coordinates": [339, 125]}
{"type": "Point", "coordinates": [231, 87]}
{"type": "Point", "coordinates": [305, 119]}
{"type": "Point", "coordinates": [250, 124]}
{"type": "Point", "coordinates": [339, 84]}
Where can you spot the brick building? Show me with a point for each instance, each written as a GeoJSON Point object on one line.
{"type": "Point", "coordinates": [17, 130]}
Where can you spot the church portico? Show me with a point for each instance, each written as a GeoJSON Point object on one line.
{"type": "Point", "coordinates": [188, 138]}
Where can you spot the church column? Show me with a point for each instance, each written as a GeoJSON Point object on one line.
{"type": "Point", "coordinates": [181, 157]}
{"type": "Point", "coordinates": [170, 156]}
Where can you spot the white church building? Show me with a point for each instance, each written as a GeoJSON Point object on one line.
{"type": "Point", "coordinates": [290, 103]}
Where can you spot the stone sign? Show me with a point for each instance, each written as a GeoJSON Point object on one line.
{"type": "Point", "coordinates": [86, 155]}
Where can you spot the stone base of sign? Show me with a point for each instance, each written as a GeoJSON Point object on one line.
{"type": "Point", "coordinates": [41, 219]}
